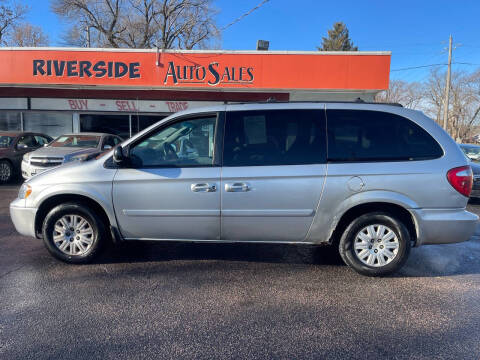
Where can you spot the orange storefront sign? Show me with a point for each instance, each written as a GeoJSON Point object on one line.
{"type": "Point", "coordinates": [195, 70]}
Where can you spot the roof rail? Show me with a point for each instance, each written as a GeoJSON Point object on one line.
{"type": "Point", "coordinates": [272, 100]}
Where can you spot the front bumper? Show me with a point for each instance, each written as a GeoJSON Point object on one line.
{"type": "Point", "coordinates": [29, 170]}
{"type": "Point", "coordinates": [444, 226]}
{"type": "Point", "coordinates": [23, 218]}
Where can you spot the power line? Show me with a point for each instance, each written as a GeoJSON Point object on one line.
{"type": "Point", "coordinates": [420, 74]}
{"type": "Point", "coordinates": [417, 67]}
{"type": "Point", "coordinates": [466, 63]}
{"type": "Point", "coordinates": [431, 65]}
{"type": "Point", "coordinates": [244, 15]}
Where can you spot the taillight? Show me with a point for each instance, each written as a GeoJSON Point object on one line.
{"type": "Point", "coordinates": [461, 178]}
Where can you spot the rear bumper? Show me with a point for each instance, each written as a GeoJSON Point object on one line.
{"type": "Point", "coordinates": [444, 226]}
{"type": "Point", "coordinates": [23, 218]}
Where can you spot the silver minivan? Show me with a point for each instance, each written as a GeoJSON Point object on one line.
{"type": "Point", "coordinates": [371, 179]}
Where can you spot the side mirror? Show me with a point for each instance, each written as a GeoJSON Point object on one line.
{"type": "Point", "coordinates": [22, 146]}
{"type": "Point", "coordinates": [107, 147]}
{"type": "Point", "coordinates": [118, 156]}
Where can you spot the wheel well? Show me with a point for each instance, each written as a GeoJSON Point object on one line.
{"type": "Point", "coordinates": [7, 160]}
{"type": "Point", "coordinates": [398, 211]}
{"type": "Point", "coordinates": [53, 201]}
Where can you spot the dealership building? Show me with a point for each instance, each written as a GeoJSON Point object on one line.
{"type": "Point", "coordinates": [120, 91]}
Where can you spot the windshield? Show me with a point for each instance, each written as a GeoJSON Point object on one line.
{"type": "Point", "coordinates": [472, 152]}
{"type": "Point", "coordinates": [5, 141]}
{"type": "Point", "coordinates": [83, 141]}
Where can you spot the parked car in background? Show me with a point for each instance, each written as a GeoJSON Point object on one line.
{"type": "Point", "coordinates": [66, 148]}
{"type": "Point", "coordinates": [472, 151]}
{"type": "Point", "coordinates": [371, 179]}
{"type": "Point", "coordinates": [476, 180]}
{"type": "Point", "coordinates": [13, 146]}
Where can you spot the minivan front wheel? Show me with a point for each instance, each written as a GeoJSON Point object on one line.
{"type": "Point", "coordinates": [375, 244]}
{"type": "Point", "coordinates": [72, 233]}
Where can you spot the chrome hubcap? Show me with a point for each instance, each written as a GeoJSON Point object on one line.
{"type": "Point", "coordinates": [5, 171]}
{"type": "Point", "coordinates": [376, 245]}
{"type": "Point", "coordinates": [73, 235]}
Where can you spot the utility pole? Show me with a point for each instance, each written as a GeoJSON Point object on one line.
{"type": "Point", "coordinates": [88, 36]}
{"type": "Point", "coordinates": [447, 86]}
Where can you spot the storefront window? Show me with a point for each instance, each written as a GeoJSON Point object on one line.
{"type": "Point", "coordinates": [140, 122]}
{"type": "Point", "coordinates": [10, 121]}
{"type": "Point", "coordinates": [111, 124]}
{"type": "Point", "coordinates": [53, 124]}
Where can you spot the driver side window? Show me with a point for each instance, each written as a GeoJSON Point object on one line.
{"type": "Point", "coordinates": [184, 143]}
{"type": "Point", "coordinates": [27, 141]}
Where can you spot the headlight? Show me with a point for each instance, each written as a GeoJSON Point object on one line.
{"type": "Point", "coordinates": [26, 157]}
{"type": "Point", "coordinates": [75, 158]}
{"type": "Point", "coordinates": [25, 191]}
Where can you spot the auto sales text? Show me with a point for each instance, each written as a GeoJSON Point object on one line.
{"type": "Point", "coordinates": [213, 74]}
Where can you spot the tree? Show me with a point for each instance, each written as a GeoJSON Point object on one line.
{"type": "Point", "coordinates": [26, 34]}
{"type": "Point", "coordinates": [11, 13]}
{"type": "Point", "coordinates": [464, 102]}
{"type": "Point", "coordinates": [428, 96]}
{"type": "Point", "coordinates": [338, 39]}
{"type": "Point", "coordinates": [184, 24]}
{"type": "Point", "coordinates": [410, 95]}
{"type": "Point", "coordinates": [16, 32]}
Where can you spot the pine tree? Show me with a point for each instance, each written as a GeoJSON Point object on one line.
{"type": "Point", "coordinates": [338, 39]}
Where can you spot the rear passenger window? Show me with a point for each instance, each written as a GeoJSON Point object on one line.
{"type": "Point", "coordinates": [275, 137]}
{"type": "Point", "coordinates": [357, 135]}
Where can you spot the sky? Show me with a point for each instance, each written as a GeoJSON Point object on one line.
{"type": "Point", "coordinates": [416, 32]}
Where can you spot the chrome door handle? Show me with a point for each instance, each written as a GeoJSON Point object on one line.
{"type": "Point", "coordinates": [237, 187]}
{"type": "Point", "coordinates": [203, 187]}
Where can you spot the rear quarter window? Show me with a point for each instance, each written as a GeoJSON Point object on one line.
{"type": "Point", "coordinates": [359, 135]}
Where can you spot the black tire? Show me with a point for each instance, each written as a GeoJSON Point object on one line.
{"type": "Point", "coordinates": [350, 257]}
{"type": "Point", "coordinates": [98, 237]}
{"type": "Point", "coordinates": [6, 171]}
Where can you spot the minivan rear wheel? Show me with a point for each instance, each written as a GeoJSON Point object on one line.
{"type": "Point", "coordinates": [73, 233]}
{"type": "Point", "coordinates": [375, 244]}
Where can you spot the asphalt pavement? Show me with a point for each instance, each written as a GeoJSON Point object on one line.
{"type": "Point", "coordinates": [211, 301]}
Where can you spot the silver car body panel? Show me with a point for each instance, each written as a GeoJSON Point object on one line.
{"type": "Point", "coordinates": [88, 179]}
{"type": "Point", "coordinates": [282, 199]}
{"type": "Point", "coordinates": [23, 217]}
{"type": "Point", "coordinates": [160, 203]}
{"type": "Point", "coordinates": [443, 226]}
{"type": "Point", "coordinates": [301, 203]}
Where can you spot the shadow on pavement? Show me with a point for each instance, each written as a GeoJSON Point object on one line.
{"type": "Point", "coordinates": [426, 261]}
{"type": "Point", "coordinates": [444, 260]}
{"type": "Point", "coordinates": [152, 251]}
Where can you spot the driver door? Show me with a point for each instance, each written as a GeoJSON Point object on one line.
{"type": "Point", "coordinates": [168, 193]}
